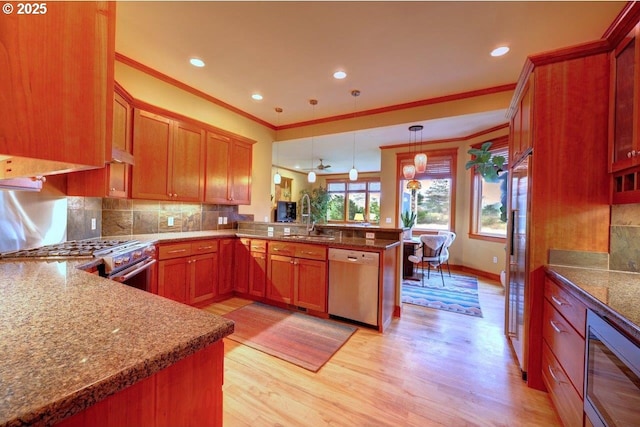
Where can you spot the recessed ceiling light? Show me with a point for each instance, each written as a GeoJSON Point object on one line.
{"type": "Point", "coordinates": [339, 75]}
{"type": "Point", "coordinates": [196, 62]}
{"type": "Point", "coordinates": [257, 96]}
{"type": "Point", "coordinates": [499, 51]}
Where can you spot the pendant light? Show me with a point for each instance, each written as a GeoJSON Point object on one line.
{"type": "Point", "coordinates": [277, 178]}
{"type": "Point", "coordinates": [353, 173]}
{"type": "Point", "coordinates": [311, 177]}
{"type": "Point", "coordinates": [409, 170]}
{"type": "Point", "coordinates": [420, 160]}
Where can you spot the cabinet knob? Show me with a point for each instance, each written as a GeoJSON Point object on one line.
{"type": "Point", "coordinates": [113, 189]}
{"type": "Point", "coordinates": [631, 154]}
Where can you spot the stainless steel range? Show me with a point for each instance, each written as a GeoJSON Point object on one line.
{"type": "Point", "coordinates": [126, 261]}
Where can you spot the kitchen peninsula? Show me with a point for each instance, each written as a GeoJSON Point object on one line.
{"type": "Point", "coordinates": [76, 347]}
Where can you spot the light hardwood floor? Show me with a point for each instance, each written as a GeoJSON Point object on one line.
{"type": "Point", "coordinates": [431, 368]}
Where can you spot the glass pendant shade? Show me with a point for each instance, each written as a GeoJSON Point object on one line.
{"type": "Point", "coordinates": [409, 171]}
{"type": "Point", "coordinates": [277, 178]}
{"type": "Point", "coordinates": [420, 162]}
{"type": "Point", "coordinates": [414, 185]}
{"type": "Point", "coordinates": [353, 174]}
{"type": "Point", "coordinates": [311, 177]}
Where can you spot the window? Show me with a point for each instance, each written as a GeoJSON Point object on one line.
{"type": "Point", "coordinates": [434, 202]}
{"type": "Point", "coordinates": [489, 199]}
{"type": "Point", "coordinates": [354, 201]}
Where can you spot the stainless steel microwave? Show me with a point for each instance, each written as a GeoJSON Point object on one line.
{"type": "Point", "coordinates": [612, 375]}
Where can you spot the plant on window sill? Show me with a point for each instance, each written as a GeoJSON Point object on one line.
{"type": "Point", "coordinates": [408, 219]}
{"type": "Point", "coordinates": [488, 166]}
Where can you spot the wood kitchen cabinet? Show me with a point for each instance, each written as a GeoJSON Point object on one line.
{"type": "Point", "coordinates": [228, 169]}
{"type": "Point", "coordinates": [563, 353]}
{"type": "Point", "coordinates": [521, 125]}
{"type": "Point", "coordinates": [169, 158]}
{"type": "Point", "coordinates": [56, 89]}
{"type": "Point", "coordinates": [114, 178]}
{"type": "Point", "coordinates": [251, 267]}
{"type": "Point", "coordinates": [226, 251]}
{"type": "Point", "coordinates": [297, 275]}
{"type": "Point", "coordinates": [188, 271]}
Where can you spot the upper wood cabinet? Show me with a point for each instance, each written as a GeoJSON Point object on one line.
{"type": "Point", "coordinates": [169, 157]}
{"type": "Point", "coordinates": [113, 179]}
{"type": "Point", "coordinates": [228, 170]}
{"type": "Point", "coordinates": [521, 138]}
{"type": "Point", "coordinates": [57, 84]}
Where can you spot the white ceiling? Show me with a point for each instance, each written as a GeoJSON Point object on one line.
{"type": "Point", "coordinates": [393, 52]}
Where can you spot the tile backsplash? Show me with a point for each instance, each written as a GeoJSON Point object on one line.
{"type": "Point", "coordinates": [624, 251]}
{"type": "Point", "coordinates": [119, 217]}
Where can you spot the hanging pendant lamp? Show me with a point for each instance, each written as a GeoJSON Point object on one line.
{"type": "Point", "coordinates": [277, 178]}
{"type": "Point", "coordinates": [420, 159]}
{"type": "Point", "coordinates": [353, 173]}
{"type": "Point", "coordinates": [311, 177]}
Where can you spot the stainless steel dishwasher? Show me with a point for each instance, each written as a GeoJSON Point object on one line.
{"type": "Point", "coordinates": [353, 285]}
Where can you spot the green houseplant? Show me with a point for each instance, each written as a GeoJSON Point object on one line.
{"type": "Point", "coordinates": [408, 219]}
{"type": "Point", "coordinates": [486, 164]}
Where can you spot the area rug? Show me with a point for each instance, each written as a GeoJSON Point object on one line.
{"type": "Point", "coordinates": [298, 338]}
{"type": "Point", "coordinates": [459, 293]}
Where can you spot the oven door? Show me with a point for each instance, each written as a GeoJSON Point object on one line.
{"type": "Point", "coordinates": [612, 375]}
{"type": "Point", "coordinates": [138, 275]}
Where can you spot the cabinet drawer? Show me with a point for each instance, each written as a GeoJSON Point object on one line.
{"type": "Point", "coordinates": [565, 398]}
{"type": "Point", "coordinates": [204, 247]}
{"type": "Point", "coordinates": [318, 252]}
{"type": "Point", "coordinates": [282, 248]}
{"type": "Point", "coordinates": [568, 305]}
{"type": "Point", "coordinates": [257, 245]}
{"type": "Point", "coordinates": [566, 345]}
{"type": "Point", "coordinates": [174, 250]}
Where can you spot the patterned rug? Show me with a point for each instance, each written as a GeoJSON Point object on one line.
{"type": "Point", "coordinates": [459, 294]}
{"type": "Point", "coordinates": [298, 338]}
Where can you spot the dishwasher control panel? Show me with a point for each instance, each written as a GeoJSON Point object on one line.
{"type": "Point", "coordinates": [357, 257]}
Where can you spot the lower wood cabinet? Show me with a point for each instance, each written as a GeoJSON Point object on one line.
{"type": "Point", "coordinates": [297, 275]}
{"type": "Point", "coordinates": [563, 332]}
{"type": "Point", "coordinates": [188, 271]}
{"type": "Point", "coordinates": [226, 250]}
{"type": "Point", "coordinates": [250, 267]}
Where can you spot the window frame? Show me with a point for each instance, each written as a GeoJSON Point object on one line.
{"type": "Point", "coordinates": [366, 191]}
{"type": "Point", "coordinates": [451, 154]}
{"type": "Point", "coordinates": [500, 146]}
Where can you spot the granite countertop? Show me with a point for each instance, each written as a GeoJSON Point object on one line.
{"type": "Point", "coordinates": [613, 294]}
{"type": "Point", "coordinates": [69, 338]}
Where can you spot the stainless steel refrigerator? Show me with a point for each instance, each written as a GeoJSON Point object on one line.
{"type": "Point", "coordinates": [516, 312]}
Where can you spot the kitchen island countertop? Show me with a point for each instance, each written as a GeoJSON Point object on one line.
{"type": "Point", "coordinates": [69, 339]}
{"type": "Point", "coordinates": [613, 294]}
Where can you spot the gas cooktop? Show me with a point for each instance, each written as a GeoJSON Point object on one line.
{"type": "Point", "coordinates": [74, 248]}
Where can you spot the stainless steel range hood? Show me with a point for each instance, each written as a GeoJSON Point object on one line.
{"type": "Point", "coordinates": [22, 184]}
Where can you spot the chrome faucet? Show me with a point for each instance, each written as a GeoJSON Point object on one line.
{"type": "Point", "coordinates": [306, 218]}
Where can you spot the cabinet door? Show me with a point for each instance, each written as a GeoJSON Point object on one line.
{"type": "Point", "coordinates": [151, 139]}
{"type": "Point", "coordinates": [173, 279]}
{"type": "Point", "coordinates": [258, 274]}
{"type": "Point", "coordinates": [225, 266]}
{"type": "Point", "coordinates": [241, 260]}
{"type": "Point", "coordinates": [203, 277]}
{"type": "Point", "coordinates": [240, 171]}
{"type": "Point", "coordinates": [118, 173]}
{"type": "Point", "coordinates": [280, 278]}
{"type": "Point", "coordinates": [57, 83]}
{"type": "Point", "coordinates": [623, 136]}
{"type": "Point", "coordinates": [310, 289]}
{"type": "Point", "coordinates": [218, 149]}
{"type": "Point", "coordinates": [186, 162]}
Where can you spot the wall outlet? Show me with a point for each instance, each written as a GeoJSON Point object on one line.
{"type": "Point", "coordinates": [370, 235]}
{"type": "Point", "coordinates": [287, 231]}
{"type": "Point", "coordinates": [93, 223]}
{"type": "Point", "coordinates": [269, 231]}
{"type": "Point", "coordinates": [495, 259]}
{"type": "Point", "coordinates": [219, 220]}
{"type": "Point", "coordinates": [387, 220]}
{"type": "Point", "coordinates": [170, 221]}
{"type": "Point", "coordinates": [224, 219]}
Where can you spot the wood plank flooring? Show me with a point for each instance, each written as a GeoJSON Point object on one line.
{"type": "Point", "coordinates": [431, 368]}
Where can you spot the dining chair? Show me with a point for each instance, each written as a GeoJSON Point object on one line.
{"type": "Point", "coordinates": [429, 251]}
{"type": "Point", "coordinates": [451, 236]}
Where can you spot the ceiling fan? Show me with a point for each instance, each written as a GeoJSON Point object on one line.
{"type": "Point", "coordinates": [321, 166]}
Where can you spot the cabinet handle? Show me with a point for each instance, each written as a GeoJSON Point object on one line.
{"type": "Point", "coordinates": [555, 327]}
{"type": "Point", "coordinates": [204, 247]}
{"type": "Point", "coordinates": [276, 249]}
{"type": "Point", "coordinates": [309, 253]}
{"type": "Point", "coordinates": [113, 189]}
{"type": "Point", "coordinates": [177, 251]}
{"type": "Point", "coordinates": [557, 301]}
{"type": "Point", "coordinates": [631, 154]}
{"type": "Point", "coordinates": [553, 375]}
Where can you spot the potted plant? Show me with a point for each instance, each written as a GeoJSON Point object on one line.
{"type": "Point", "coordinates": [408, 221]}
{"type": "Point", "coordinates": [487, 165]}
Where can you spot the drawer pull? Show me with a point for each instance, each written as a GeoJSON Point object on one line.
{"type": "Point", "coordinates": [555, 327]}
{"type": "Point", "coordinates": [276, 249]}
{"type": "Point", "coordinates": [309, 253]}
{"type": "Point", "coordinates": [256, 247]}
{"type": "Point", "coordinates": [205, 247]}
{"type": "Point", "coordinates": [558, 301]}
{"type": "Point", "coordinates": [177, 251]}
{"type": "Point", "coordinates": [553, 375]}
